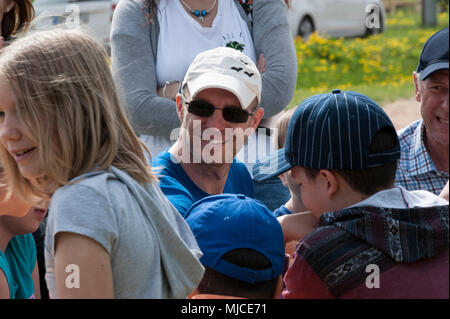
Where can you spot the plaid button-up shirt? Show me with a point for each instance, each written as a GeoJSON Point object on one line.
{"type": "Point", "coordinates": [416, 169]}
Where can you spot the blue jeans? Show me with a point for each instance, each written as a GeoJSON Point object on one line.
{"type": "Point", "coordinates": [272, 193]}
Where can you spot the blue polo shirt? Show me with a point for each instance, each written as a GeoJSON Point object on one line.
{"type": "Point", "coordinates": [281, 211]}
{"type": "Point", "coordinates": [181, 190]}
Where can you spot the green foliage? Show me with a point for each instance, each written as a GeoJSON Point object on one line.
{"type": "Point", "coordinates": [380, 66]}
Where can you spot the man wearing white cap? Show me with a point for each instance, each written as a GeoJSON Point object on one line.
{"type": "Point", "coordinates": [218, 107]}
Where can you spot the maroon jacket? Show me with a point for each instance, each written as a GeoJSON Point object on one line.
{"type": "Point", "coordinates": [368, 252]}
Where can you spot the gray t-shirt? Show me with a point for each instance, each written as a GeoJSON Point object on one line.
{"type": "Point", "coordinates": [152, 250]}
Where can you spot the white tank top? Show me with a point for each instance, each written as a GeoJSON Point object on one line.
{"type": "Point", "coordinates": [181, 37]}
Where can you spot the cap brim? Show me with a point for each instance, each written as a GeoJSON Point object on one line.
{"type": "Point", "coordinates": [271, 166]}
{"type": "Point", "coordinates": [433, 68]}
{"type": "Point", "coordinates": [225, 82]}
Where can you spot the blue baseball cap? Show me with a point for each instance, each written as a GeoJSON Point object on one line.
{"type": "Point", "coordinates": [434, 56]}
{"type": "Point", "coordinates": [331, 131]}
{"type": "Point", "coordinates": [222, 223]}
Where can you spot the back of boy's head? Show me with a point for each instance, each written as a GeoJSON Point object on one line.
{"type": "Point", "coordinates": [344, 132]}
{"type": "Point", "coordinates": [242, 244]}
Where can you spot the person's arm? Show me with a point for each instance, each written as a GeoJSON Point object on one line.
{"type": "Point", "coordinates": [444, 194]}
{"type": "Point", "coordinates": [133, 45]}
{"type": "Point", "coordinates": [92, 261]}
{"type": "Point", "coordinates": [37, 286]}
{"type": "Point", "coordinates": [4, 286]}
{"type": "Point", "coordinates": [262, 61]}
{"type": "Point", "coordinates": [272, 38]}
{"type": "Point", "coordinates": [169, 90]}
{"type": "Point", "coordinates": [81, 233]}
{"type": "Point", "coordinates": [296, 226]}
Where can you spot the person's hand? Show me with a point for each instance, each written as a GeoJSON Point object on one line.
{"type": "Point", "coordinates": [169, 91]}
{"type": "Point", "coordinates": [296, 226]}
{"type": "Point", "coordinates": [12, 205]}
{"type": "Point", "coordinates": [444, 194]}
{"type": "Point", "coordinates": [262, 63]}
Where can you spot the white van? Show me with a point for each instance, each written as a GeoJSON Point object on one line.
{"type": "Point", "coordinates": [336, 18]}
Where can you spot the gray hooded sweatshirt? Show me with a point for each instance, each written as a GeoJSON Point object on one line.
{"type": "Point", "coordinates": [152, 250]}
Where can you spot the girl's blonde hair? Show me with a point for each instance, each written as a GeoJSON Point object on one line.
{"type": "Point", "coordinates": [281, 127]}
{"type": "Point", "coordinates": [66, 97]}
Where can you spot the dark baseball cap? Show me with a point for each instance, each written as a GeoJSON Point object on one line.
{"type": "Point", "coordinates": [434, 54]}
{"type": "Point", "coordinates": [331, 131]}
{"type": "Point", "coordinates": [226, 222]}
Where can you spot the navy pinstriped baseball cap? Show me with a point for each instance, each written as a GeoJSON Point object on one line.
{"type": "Point", "coordinates": [331, 131]}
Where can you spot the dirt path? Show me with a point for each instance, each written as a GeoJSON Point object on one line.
{"type": "Point", "coordinates": [403, 112]}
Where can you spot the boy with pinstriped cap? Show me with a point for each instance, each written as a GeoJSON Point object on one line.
{"type": "Point", "coordinates": [373, 240]}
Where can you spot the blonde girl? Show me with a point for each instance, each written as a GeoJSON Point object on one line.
{"type": "Point", "coordinates": [64, 136]}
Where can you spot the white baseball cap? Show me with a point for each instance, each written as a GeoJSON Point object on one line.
{"type": "Point", "coordinates": [228, 69]}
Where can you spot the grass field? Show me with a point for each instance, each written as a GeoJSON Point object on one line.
{"type": "Point", "coordinates": [379, 66]}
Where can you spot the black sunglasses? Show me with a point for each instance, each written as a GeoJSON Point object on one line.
{"type": "Point", "coordinates": [230, 113]}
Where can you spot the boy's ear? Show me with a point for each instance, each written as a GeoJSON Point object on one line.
{"type": "Point", "coordinates": [330, 182]}
{"type": "Point", "coordinates": [282, 177]}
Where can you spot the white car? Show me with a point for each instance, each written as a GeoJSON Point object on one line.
{"type": "Point", "coordinates": [94, 16]}
{"type": "Point", "coordinates": [336, 18]}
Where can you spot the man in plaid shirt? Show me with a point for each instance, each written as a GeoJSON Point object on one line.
{"type": "Point", "coordinates": [424, 162]}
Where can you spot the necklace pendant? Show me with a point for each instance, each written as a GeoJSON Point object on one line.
{"type": "Point", "coordinates": [200, 14]}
